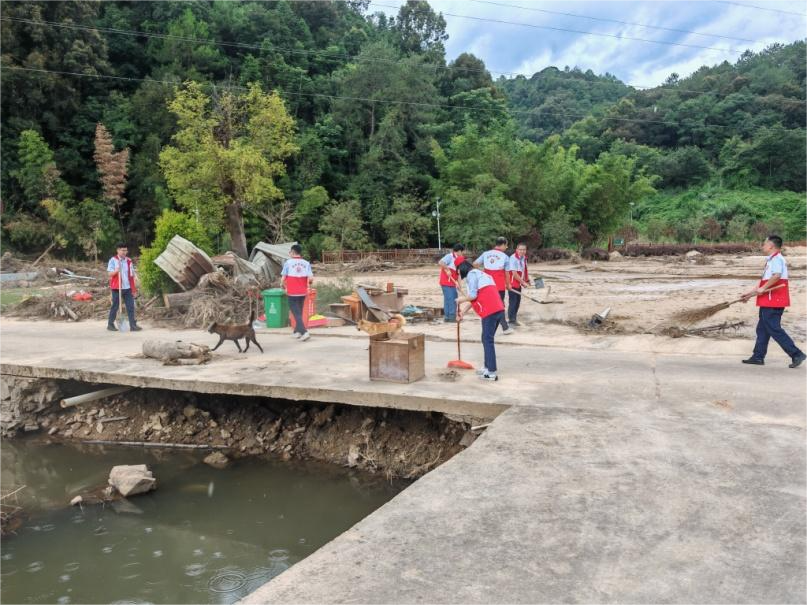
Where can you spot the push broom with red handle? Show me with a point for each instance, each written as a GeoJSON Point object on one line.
{"type": "Point", "coordinates": [458, 362]}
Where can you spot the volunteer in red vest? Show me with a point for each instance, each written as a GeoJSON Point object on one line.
{"type": "Point", "coordinates": [122, 283]}
{"type": "Point", "coordinates": [519, 277]}
{"type": "Point", "coordinates": [773, 296]}
{"type": "Point", "coordinates": [494, 262]}
{"type": "Point", "coordinates": [296, 278]}
{"type": "Point", "coordinates": [449, 281]}
{"type": "Point", "coordinates": [483, 297]}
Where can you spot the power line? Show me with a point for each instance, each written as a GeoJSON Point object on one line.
{"type": "Point", "coordinates": [763, 8]}
{"type": "Point", "coordinates": [345, 56]}
{"type": "Point", "coordinates": [365, 99]}
{"type": "Point", "coordinates": [605, 19]}
{"type": "Point", "coordinates": [575, 31]}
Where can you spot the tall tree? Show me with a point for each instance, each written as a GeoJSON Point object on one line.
{"type": "Point", "coordinates": [226, 156]}
{"type": "Point", "coordinates": [112, 166]}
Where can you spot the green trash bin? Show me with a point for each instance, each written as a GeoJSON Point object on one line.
{"type": "Point", "coordinates": [276, 307]}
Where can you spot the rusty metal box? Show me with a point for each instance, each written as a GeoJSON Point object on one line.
{"type": "Point", "coordinates": [399, 359]}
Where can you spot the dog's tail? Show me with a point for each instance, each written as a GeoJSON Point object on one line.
{"type": "Point", "coordinates": [253, 310]}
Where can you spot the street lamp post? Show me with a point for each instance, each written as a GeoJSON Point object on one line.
{"type": "Point", "coordinates": [436, 213]}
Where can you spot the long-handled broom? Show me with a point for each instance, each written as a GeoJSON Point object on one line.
{"type": "Point", "coordinates": [695, 315]}
{"type": "Point", "coordinates": [458, 362]}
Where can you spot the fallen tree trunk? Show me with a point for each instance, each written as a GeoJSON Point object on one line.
{"type": "Point", "coordinates": [168, 350]}
{"type": "Point", "coordinates": [180, 300]}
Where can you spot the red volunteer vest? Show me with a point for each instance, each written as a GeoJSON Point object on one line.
{"type": "Point", "coordinates": [526, 277]}
{"type": "Point", "coordinates": [487, 301]}
{"type": "Point", "coordinates": [115, 279]}
{"type": "Point", "coordinates": [778, 298]}
{"type": "Point", "coordinates": [296, 285]}
{"type": "Point", "coordinates": [499, 278]}
{"type": "Point", "coordinates": [444, 280]}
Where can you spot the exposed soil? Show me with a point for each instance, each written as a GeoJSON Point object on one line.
{"type": "Point", "coordinates": [399, 444]}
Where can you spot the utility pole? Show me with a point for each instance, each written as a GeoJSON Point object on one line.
{"type": "Point", "coordinates": [436, 213]}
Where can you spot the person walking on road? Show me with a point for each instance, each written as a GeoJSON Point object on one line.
{"type": "Point", "coordinates": [449, 281]}
{"type": "Point", "coordinates": [122, 279]}
{"type": "Point", "coordinates": [483, 297]}
{"type": "Point", "coordinates": [494, 262]}
{"type": "Point", "coordinates": [519, 277]}
{"type": "Point", "coordinates": [772, 301]}
{"type": "Point", "coordinates": [296, 278]}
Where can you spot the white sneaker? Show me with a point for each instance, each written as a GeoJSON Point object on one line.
{"type": "Point", "coordinates": [481, 371]}
{"type": "Point", "coordinates": [489, 376]}
{"type": "Point", "coordinates": [305, 336]}
{"type": "Point", "coordinates": [295, 335]}
{"type": "Point", "coordinates": [508, 331]}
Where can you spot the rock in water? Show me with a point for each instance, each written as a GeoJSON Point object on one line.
{"type": "Point", "coordinates": [76, 500]}
{"type": "Point", "coordinates": [216, 460]}
{"type": "Point", "coordinates": [132, 479]}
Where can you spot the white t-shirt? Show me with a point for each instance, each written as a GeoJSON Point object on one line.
{"type": "Point", "coordinates": [493, 260]}
{"type": "Point", "coordinates": [775, 264]}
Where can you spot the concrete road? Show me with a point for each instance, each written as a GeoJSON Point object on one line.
{"type": "Point", "coordinates": [612, 475]}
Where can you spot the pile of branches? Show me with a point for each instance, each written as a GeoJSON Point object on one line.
{"type": "Point", "coordinates": [545, 254]}
{"type": "Point", "coordinates": [681, 249]}
{"type": "Point", "coordinates": [223, 299]}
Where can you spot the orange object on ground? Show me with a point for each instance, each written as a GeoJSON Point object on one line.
{"type": "Point", "coordinates": [458, 362]}
{"type": "Point", "coordinates": [309, 309]}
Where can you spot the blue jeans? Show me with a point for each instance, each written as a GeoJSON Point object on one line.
{"type": "Point", "coordinates": [128, 300]}
{"type": "Point", "coordinates": [770, 326]}
{"type": "Point", "coordinates": [489, 325]}
{"type": "Point", "coordinates": [449, 302]}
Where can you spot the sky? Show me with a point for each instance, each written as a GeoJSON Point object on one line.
{"type": "Point", "coordinates": [510, 48]}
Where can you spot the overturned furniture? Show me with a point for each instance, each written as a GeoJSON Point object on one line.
{"type": "Point", "coordinates": [394, 355]}
{"type": "Point", "coordinates": [184, 263]}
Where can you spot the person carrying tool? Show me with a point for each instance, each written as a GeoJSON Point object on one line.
{"type": "Point", "coordinates": [772, 302]}
{"type": "Point", "coordinates": [519, 277]}
{"type": "Point", "coordinates": [494, 262]}
{"type": "Point", "coordinates": [483, 297]}
{"type": "Point", "coordinates": [449, 281]}
{"type": "Point", "coordinates": [122, 283]}
{"type": "Point", "coordinates": [296, 278]}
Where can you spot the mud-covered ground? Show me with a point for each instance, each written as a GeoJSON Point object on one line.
{"type": "Point", "coordinates": [399, 444]}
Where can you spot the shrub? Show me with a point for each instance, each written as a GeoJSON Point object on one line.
{"type": "Point", "coordinates": [557, 228]}
{"type": "Point", "coordinates": [153, 280]}
{"type": "Point", "coordinates": [332, 292]}
{"type": "Point", "coordinates": [27, 233]}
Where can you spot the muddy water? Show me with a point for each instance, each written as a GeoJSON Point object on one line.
{"type": "Point", "coordinates": [204, 536]}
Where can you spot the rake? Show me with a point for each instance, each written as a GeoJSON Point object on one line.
{"type": "Point", "coordinates": [696, 315]}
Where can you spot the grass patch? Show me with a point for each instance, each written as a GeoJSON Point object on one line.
{"type": "Point", "coordinates": [11, 296]}
{"type": "Point", "coordinates": [332, 292]}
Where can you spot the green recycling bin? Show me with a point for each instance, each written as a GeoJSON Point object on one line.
{"type": "Point", "coordinates": [276, 307]}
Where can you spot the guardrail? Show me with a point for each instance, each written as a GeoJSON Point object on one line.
{"type": "Point", "coordinates": [393, 255]}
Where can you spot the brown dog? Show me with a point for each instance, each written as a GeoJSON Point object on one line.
{"type": "Point", "coordinates": [234, 332]}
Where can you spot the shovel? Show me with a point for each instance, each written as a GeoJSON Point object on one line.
{"type": "Point", "coordinates": [122, 321]}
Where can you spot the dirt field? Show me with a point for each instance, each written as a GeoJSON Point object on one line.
{"type": "Point", "coordinates": [641, 292]}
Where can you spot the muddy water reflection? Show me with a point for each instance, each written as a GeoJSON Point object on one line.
{"type": "Point", "coordinates": [205, 536]}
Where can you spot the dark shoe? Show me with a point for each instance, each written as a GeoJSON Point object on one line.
{"type": "Point", "coordinates": [136, 328]}
{"type": "Point", "coordinates": [754, 362]}
{"type": "Point", "coordinates": [797, 360]}
{"type": "Point", "coordinates": [111, 328]}
{"type": "Point", "coordinates": [513, 322]}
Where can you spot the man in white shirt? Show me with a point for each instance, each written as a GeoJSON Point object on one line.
{"type": "Point", "coordinates": [773, 296]}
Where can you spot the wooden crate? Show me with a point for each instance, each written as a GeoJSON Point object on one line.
{"type": "Point", "coordinates": [400, 359]}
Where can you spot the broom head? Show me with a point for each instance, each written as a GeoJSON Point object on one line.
{"type": "Point", "coordinates": [696, 315]}
{"type": "Point", "coordinates": [460, 364]}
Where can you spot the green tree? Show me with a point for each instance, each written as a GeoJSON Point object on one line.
{"type": "Point", "coordinates": [557, 230]}
{"type": "Point", "coordinates": [342, 226]}
{"type": "Point", "coordinates": [37, 173]}
{"type": "Point", "coordinates": [408, 224]}
{"type": "Point", "coordinates": [737, 228]}
{"type": "Point", "coordinates": [154, 280]}
{"type": "Point", "coordinates": [226, 156]}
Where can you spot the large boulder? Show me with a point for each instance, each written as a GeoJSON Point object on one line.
{"type": "Point", "coordinates": [216, 460]}
{"type": "Point", "coordinates": [132, 479]}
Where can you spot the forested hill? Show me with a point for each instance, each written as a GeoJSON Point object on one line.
{"type": "Point", "coordinates": [552, 100]}
{"type": "Point", "coordinates": [746, 120]}
{"type": "Point", "coordinates": [136, 119]}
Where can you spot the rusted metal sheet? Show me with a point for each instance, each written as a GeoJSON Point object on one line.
{"type": "Point", "coordinates": [184, 262]}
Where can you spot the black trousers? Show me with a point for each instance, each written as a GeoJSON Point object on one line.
{"type": "Point", "coordinates": [503, 320]}
{"type": "Point", "coordinates": [513, 304]}
{"type": "Point", "coordinates": [296, 304]}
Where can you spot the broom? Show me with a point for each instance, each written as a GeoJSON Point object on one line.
{"type": "Point", "coordinates": [458, 362]}
{"type": "Point", "coordinates": [696, 315]}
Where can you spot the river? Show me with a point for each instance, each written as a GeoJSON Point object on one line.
{"type": "Point", "coordinates": [204, 536]}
